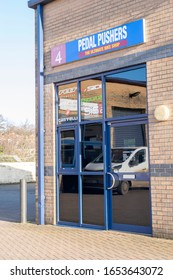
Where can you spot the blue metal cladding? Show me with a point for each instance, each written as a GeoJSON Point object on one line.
{"type": "Point", "coordinates": [40, 77]}
{"type": "Point", "coordinates": [107, 123]}
{"type": "Point", "coordinates": [33, 3]}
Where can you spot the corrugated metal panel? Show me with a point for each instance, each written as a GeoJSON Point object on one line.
{"type": "Point", "coordinates": [132, 135]}
{"type": "Point", "coordinates": [121, 112]}
{"type": "Point", "coordinates": [129, 136]}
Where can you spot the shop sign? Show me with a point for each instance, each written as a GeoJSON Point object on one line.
{"type": "Point", "coordinates": [68, 104]}
{"type": "Point", "coordinates": [74, 89]}
{"type": "Point", "coordinates": [113, 39]}
{"type": "Point", "coordinates": [88, 108]}
{"type": "Point", "coordinates": [93, 98]}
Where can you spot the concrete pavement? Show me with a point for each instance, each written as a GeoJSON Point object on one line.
{"type": "Point", "coordinates": [34, 242]}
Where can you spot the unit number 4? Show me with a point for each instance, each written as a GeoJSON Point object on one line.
{"type": "Point", "coordinates": [58, 58]}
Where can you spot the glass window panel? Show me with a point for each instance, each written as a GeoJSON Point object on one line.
{"type": "Point", "coordinates": [129, 151]}
{"type": "Point", "coordinates": [68, 206]}
{"type": "Point", "coordinates": [91, 99]}
{"type": "Point", "coordinates": [93, 200]}
{"type": "Point", "coordinates": [133, 208]}
{"type": "Point", "coordinates": [67, 103]}
{"type": "Point", "coordinates": [68, 149]}
{"type": "Point", "coordinates": [129, 161]}
{"type": "Point", "coordinates": [126, 93]}
{"type": "Point", "coordinates": [91, 145]}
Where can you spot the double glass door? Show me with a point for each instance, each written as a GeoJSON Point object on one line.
{"type": "Point", "coordinates": [103, 176]}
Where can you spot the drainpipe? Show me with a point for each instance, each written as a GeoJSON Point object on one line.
{"type": "Point", "coordinates": [40, 125]}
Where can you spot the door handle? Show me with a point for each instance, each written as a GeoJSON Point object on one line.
{"type": "Point", "coordinates": [113, 181]}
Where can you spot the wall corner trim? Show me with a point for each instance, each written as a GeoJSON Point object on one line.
{"type": "Point", "coordinates": [33, 3]}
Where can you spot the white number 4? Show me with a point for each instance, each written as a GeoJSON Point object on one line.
{"type": "Point", "coordinates": [58, 57]}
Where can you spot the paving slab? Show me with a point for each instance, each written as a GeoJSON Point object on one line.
{"type": "Point", "coordinates": [47, 242]}
{"type": "Point", "coordinates": [34, 242]}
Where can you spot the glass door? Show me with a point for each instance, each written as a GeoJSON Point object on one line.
{"type": "Point", "coordinates": [92, 167]}
{"type": "Point", "coordinates": [67, 176]}
{"type": "Point", "coordinates": [129, 189]}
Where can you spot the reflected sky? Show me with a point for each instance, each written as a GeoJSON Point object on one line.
{"type": "Point", "coordinates": [136, 74]}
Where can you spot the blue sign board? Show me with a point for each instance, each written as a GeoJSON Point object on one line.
{"type": "Point", "coordinates": [113, 39]}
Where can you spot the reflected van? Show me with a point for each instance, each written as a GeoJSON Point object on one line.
{"type": "Point", "coordinates": [123, 159]}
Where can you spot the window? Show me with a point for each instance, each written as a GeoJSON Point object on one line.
{"type": "Point", "coordinates": [68, 149]}
{"type": "Point", "coordinates": [126, 93]}
{"type": "Point", "coordinates": [91, 99]}
{"type": "Point", "coordinates": [67, 103]}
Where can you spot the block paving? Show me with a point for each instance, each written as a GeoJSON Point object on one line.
{"type": "Point", "coordinates": [47, 242]}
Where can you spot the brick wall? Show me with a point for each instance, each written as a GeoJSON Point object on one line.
{"type": "Point", "coordinates": [50, 155]}
{"type": "Point", "coordinates": [67, 20]}
{"type": "Point", "coordinates": [160, 89]}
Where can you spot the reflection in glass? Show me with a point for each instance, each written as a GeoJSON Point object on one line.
{"type": "Point", "coordinates": [68, 206]}
{"type": "Point", "coordinates": [93, 200]}
{"type": "Point", "coordinates": [126, 93]}
{"type": "Point", "coordinates": [129, 152]}
{"type": "Point", "coordinates": [129, 162]}
{"type": "Point", "coordinates": [130, 159]}
{"type": "Point", "coordinates": [68, 149]}
{"type": "Point", "coordinates": [91, 99]}
{"type": "Point", "coordinates": [133, 208]}
{"type": "Point", "coordinates": [91, 144]}
{"type": "Point", "coordinates": [67, 103]}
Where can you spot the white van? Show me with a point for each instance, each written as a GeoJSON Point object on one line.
{"type": "Point", "coordinates": [125, 159]}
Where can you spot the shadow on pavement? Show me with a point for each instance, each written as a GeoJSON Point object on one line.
{"type": "Point", "coordinates": [10, 202]}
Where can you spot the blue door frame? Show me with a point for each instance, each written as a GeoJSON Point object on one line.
{"type": "Point", "coordinates": [108, 224]}
{"type": "Point", "coordinates": [76, 170]}
{"type": "Point", "coordinates": [139, 176]}
{"type": "Point", "coordinates": [107, 123]}
{"type": "Point", "coordinates": [67, 170]}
